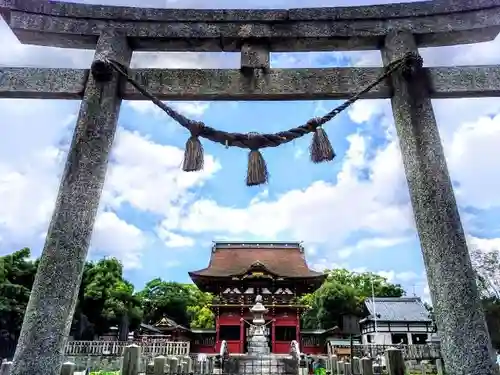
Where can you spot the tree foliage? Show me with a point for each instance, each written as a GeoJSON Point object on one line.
{"type": "Point", "coordinates": [343, 293]}
{"type": "Point", "coordinates": [487, 271]}
{"type": "Point", "coordinates": [184, 303]}
{"type": "Point", "coordinates": [17, 273]}
{"type": "Point", "coordinates": [105, 299]}
{"type": "Point", "coordinates": [487, 267]}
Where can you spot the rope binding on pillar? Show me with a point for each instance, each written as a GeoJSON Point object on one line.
{"type": "Point", "coordinates": [321, 149]}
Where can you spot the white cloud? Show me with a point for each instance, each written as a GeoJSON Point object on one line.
{"type": "Point", "coordinates": [24, 208]}
{"type": "Point", "coordinates": [173, 264]}
{"type": "Point", "coordinates": [188, 109]}
{"type": "Point", "coordinates": [175, 240]}
{"type": "Point", "coordinates": [472, 162]}
{"type": "Point", "coordinates": [311, 250]}
{"type": "Point", "coordinates": [358, 205]}
{"type": "Point", "coordinates": [323, 264]}
{"type": "Point", "coordinates": [426, 296]}
{"type": "Point", "coordinates": [147, 175]}
{"type": "Point", "coordinates": [298, 153]}
{"type": "Point", "coordinates": [31, 159]}
{"type": "Point", "coordinates": [389, 275]}
{"type": "Point", "coordinates": [484, 244]}
{"type": "Point", "coordinates": [406, 276]}
{"type": "Point", "coordinates": [371, 244]}
{"type": "Point", "coordinates": [115, 237]}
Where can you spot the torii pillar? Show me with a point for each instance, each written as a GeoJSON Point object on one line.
{"type": "Point", "coordinates": [465, 341]}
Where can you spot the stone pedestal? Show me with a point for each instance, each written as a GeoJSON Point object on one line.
{"type": "Point", "coordinates": [258, 342]}
{"type": "Point", "coordinates": [254, 364]}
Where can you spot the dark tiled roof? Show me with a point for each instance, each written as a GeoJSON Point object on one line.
{"type": "Point", "coordinates": [237, 258]}
{"type": "Point", "coordinates": [404, 309]}
{"type": "Point", "coordinates": [166, 322]}
{"type": "Point", "coordinates": [150, 328]}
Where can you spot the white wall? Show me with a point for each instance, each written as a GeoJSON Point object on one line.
{"type": "Point", "coordinates": [383, 336]}
{"type": "Point", "coordinates": [377, 339]}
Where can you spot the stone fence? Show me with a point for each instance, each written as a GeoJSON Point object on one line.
{"type": "Point", "coordinates": [416, 352]}
{"type": "Point", "coordinates": [135, 362]}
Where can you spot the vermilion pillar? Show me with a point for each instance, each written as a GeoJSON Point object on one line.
{"type": "Point", "coordinates": [273, 336]}
{"type": "Point", "coordinates": [297, 333]}
{"type": "Point", "coordinates": [242, 334]}
{"type": "Point", "coordinates": [217, 327]}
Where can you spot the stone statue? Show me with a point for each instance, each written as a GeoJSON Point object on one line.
{"type": "Point", "coordinates": [294, 350]}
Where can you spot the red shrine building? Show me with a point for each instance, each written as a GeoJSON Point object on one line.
{"type": "Point", "coordinates": [239, 271]}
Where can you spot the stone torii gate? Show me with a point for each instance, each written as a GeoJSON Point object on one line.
{"type": "Point", "coordinates": [114, 32]}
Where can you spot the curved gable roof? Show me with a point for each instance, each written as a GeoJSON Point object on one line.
{"type": "Point", "coordinates": [236, 260]}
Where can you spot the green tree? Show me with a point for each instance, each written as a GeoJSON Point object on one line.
{"type": "Point", "coordinates": [487, 268]}
{"type": "Point", "coordinates": [491, 308]}
{"type": "Point", "coordinates": [199, 313]}
{"type": "Point", "coordinates": [106, 298]}
{"type": "Point", "coordinates": [165, 298]}
{"type": "Point", "coordinates": [343, 293]}
{"type": "Point", "coordinates": [17, 274]}
{"type": "Point", "coordinates": [487, 271]}
{"type": "Point", "coordinates": [184, 303]}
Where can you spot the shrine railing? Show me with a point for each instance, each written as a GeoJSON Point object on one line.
{"type": "Point", "coordinates": [115, 348]}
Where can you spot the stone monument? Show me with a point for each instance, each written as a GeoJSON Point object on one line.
{"type": "Point", "coordinates": [259, 360]}
{"type": "Point", "coordinates": [398, 30]}
{"type": "Point", "coordinates": [257, 339]}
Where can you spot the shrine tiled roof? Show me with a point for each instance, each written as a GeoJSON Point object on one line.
{"type": "Point", "coordinates": [281, 259]}
{"type": "Point", "coordinates": [402, 309]}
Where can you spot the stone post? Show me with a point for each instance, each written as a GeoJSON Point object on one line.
{"type": "Point", "coordinates": [366, 366]}
{"type": "Point", "coordinates": [465, 342]}
{"type": "Point", "coordinates": [347, 368]}
{"type": "Point", "coordinates": [303, 368]}
{"type": "Point", "coordinates": [131, 359]}
{"type": "Point", "coordinates": [395, 362]}
{"type": "Point", "coordinates": [356, 366]}
{"type": "Point", "coordinates": [439, 366]}
{"type": "Point", "coordinates": [159, 365]}
{"type": "Point", "coordinates": [333, 364]}
{"type": "Point", "coordinates": [189, 364]}
{"type": "Point", "coordinates": [184, 366]}
{"type": "Point", "coordinates": [217, 370]}
{"type": "Point", "coordinates": [173, 364]}
{"type": "Point", "coordinates": [340, 368]}
{"type": "Point", "coordinates": [68, 368]}
{"type": "Point", "coordinates": [5, 368]}
{"type": "Point", "coordinates": [423, 368]}
{"type": "Point", "coordinates": [48, 316]}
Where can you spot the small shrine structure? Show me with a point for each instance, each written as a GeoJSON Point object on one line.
{"type": "Point", "coordinates": [237, 273]}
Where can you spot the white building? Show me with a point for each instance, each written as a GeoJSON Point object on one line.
{"type": "Point", "coordinates": [392, 321]}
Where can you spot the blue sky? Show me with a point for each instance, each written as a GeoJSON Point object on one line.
{"type": "Point", "coordinates": [353, 212]}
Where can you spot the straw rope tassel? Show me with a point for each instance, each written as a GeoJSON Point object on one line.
{"type": "Point", "coordinates": [257, 169]}
{"type": "Point", "coordinates": [193, 155]}
{"type": "Point", "coordinates": [321, 149]}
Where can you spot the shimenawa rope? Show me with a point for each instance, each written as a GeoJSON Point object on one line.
{"type": "Point", "coordinates": [321, 149]}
